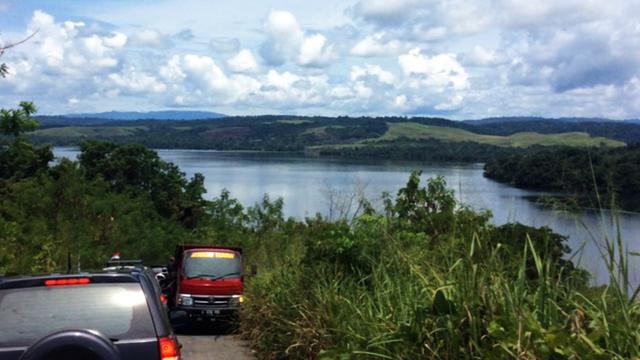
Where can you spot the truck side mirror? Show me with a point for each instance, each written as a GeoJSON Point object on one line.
{"type": "Point", "coordinates": [254, 270]}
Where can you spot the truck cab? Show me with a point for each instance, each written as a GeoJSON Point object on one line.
{"type": "Point", "coordinates": [209, 282]}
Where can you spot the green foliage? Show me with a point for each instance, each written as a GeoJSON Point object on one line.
{"type": "Point", "coordinates": [15, 122]}
{"type": "Point", "coordinates": [4, 70]}
{"type": "Point", "coordinates": [136, 169]}
{"type": "Point", "coordinates": [22, 159]}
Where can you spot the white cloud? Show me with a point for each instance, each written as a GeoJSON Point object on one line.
{"type": "Point", "coordinates": [400, 101]}
{"type": "Point", "coordinates": [315, 51]}
{"type": "Point", "coordinates": [372, 71]}
{"type": "Point", "coordinates": [172, 70]}
{"type": "Point", "coordinates": [243, 62]}
{"type": "Point", "coordinates": [284, 37]}
{"type": "Point", "coordinates": [134, 81]}
{"type": "Point", "coordinates": [481, 56]}
{"type": "Point", "coordinates": [204, 70]}
{"type": "Point", "coordinates": [151, 38]}
{"type": "Point", "coordinates": [374, 45]}
{"type": "Point", "coordinates": [287, 41]}
{"type": "Point", "coordinates": [438, 71]}
{"type": "Point", "coordinates": [440, 76]}
{"type": "Point", "coordinates": [118, 40]}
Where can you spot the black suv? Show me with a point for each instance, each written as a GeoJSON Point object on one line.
{"type": "Point", "coordinates": [116, 314]}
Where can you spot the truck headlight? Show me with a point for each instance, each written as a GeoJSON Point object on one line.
{"type": "Point", "coordinates": [185, 299]}
{"type": "Point", "coordinates": [237, 299]}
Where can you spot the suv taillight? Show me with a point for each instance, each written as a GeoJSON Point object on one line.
{"type": "Point", "coordinates": [67, 281]}
{"type": "Point", "coordinates": [169, 349]}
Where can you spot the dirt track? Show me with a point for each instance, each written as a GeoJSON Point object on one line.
{"type": "Point", "coordinates": [213, 344]}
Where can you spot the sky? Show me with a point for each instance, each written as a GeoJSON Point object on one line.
{"type": "Point", "coordinates": [459, 59]}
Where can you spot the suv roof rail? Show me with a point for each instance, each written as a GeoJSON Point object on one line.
{"type": "Point", "coordinates": [125, 262]}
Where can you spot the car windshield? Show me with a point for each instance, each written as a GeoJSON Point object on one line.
{"type": "Point", "coordinates": [119, 311]}
{"type": "Point", "coordinates": [212, 264]}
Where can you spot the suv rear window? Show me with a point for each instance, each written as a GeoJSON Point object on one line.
{"type": "Point", "coordinates": [119, 311]}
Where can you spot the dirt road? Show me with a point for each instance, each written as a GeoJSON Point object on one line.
{"type": "Point", "coordinates": [213, 345]}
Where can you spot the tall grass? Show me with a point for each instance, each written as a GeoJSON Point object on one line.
{"type": "Point", "coordinates": [444, 285]}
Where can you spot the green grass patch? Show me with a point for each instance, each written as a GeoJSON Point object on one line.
{"type": "Point", "coordinates": [418, 131]}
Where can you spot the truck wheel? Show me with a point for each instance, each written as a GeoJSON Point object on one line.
{"type": "Point", "coordinates": [72, 344]}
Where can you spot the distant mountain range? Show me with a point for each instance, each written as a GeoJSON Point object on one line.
{"type": "Point", "coordinates": [103, 118]}
{"type": "Point", "coordinates": [149, 115]}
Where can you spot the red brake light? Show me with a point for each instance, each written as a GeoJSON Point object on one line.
{"type": "Point", "coordinates": [69, 281]}
{"type": "Point", "coordinates": [169, 349]}
{"type": "Point", "coordinates": [163, 298]}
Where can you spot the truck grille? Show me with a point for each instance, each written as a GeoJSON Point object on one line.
{"type": "Point", "coordinates": [212, 301]}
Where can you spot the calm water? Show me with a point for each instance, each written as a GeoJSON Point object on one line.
{"type": "Point", "coordinates": [305, 184]}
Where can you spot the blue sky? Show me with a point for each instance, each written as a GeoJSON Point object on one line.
{"type": "Point", "coordinates": [454, 58]}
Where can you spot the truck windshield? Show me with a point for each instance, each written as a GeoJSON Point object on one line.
{"type": "Point", "coordinates": [212, 264]}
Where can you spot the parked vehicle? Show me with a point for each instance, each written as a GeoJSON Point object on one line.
{"type": "Point", "coordinates": [115, 314]}
{"type": "Point", "coordinates": [209, 281]}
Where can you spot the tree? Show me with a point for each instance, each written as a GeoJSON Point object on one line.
{"type": "Point", "coordinates": [15, 122]}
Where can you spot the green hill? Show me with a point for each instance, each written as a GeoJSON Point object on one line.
{"type": "Point", "coordinates": [88, 132]}
{"type": "Point", "coordinates": [415, 131]}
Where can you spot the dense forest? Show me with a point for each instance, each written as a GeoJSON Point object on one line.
{"type": "Point", "coordinates": [422, 277]}
{"type": "Point", "coordinates": [593, 177]}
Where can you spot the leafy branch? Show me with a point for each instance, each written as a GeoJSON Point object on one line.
{"type": "Point", "coordinates": [4, 69]}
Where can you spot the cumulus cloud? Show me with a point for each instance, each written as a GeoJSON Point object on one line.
{"type": "Point", "coordinates": [286, 40]}
{"type": "Point", "coordinates": [151, 38]}
{"type": "Point", "coordinates": [63, 47]}
{"type": "Point", "coordinates": [373, 72]}
{"type": "Point", "coordinates": [315, 51]}
{"type": "Point", "coordinates": [375, 45]}
{"type": "Point", "coordinates": [243, 62]}
{"type": "Point", "coordinates": [134, 81]}
{"type": "Point", "coordinates": [481, 56]}
{"type": "Point", "coordinates": [284, 37]}
{"type": "Point", "coordinates": [440, 76]}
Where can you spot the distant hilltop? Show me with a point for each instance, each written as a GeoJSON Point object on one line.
{"type": "Point", "coordinates": [517, 119]}
{"type": "Point", "coordinates": [149, 115]}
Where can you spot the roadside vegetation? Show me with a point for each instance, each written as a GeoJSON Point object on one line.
{"type": "Point", "coordinates": [421, 277]}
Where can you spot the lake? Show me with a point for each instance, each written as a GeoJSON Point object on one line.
{"type": "Point", "coordinates": [307, 185]}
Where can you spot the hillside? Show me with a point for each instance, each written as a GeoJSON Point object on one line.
{"type": "Point", "coordinates": [524, 139]}
{"type": "Point", "coordinates": [385, 137]}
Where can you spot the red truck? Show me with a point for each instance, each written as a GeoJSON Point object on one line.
{"type": "Point", "coordinates": [209, 281]}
